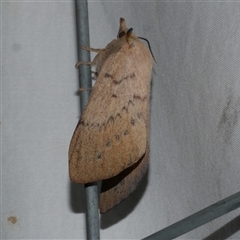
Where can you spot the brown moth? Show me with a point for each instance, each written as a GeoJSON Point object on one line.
{"type": "Point", "coordinates": [111, 140]}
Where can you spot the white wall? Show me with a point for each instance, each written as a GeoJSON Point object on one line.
{"type": "Point", "coordinates": [195, 107]}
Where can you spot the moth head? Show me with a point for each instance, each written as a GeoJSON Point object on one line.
{"type": "Point", "coordinates": [124, 31]}
{"type": "Point", "coordinates": [128, 34]}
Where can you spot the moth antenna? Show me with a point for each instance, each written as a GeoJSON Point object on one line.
{"type": "Point", "coordinates": [129, 31]}
{"type": "Point", "coordinates": [149, 46]}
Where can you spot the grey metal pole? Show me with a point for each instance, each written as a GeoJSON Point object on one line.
{"type": "Point", "coordinates": [85, 81]}
{"type": "Point", "coordinates": [198, 219]}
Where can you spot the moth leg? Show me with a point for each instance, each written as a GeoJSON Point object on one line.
{"type": "Point", "coordinates": [83, 63]}
{"type": "Point", "coordinates": [97, 50]}
{"type": "Point", "coordinates": [87, 89]}
{"type": "Point", "coordinates": [84, 89]}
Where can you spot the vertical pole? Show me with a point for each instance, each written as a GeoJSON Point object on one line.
{"type": "Point", "coordinates": [85, 81]}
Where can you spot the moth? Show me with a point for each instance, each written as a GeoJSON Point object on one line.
{"type": "Point", "coordinates": [111, 140]}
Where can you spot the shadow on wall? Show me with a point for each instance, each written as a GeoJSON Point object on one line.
{"type": "Point", "coordinates": [226, 231]}
{"type": "Point", "coordinates": [77, 199]}
{"type": "Point", "coordinates": [77, 202]}
{"type": "Point", "coordinates": [229, 119]}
